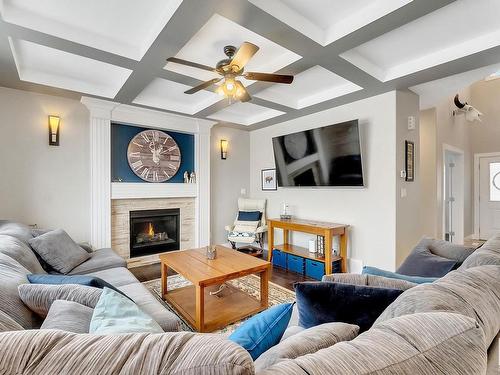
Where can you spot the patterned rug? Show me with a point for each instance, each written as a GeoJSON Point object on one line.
{"type": "Point", "coordinates": [249, 284]}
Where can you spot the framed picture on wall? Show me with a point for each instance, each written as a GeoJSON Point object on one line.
{"type": "Point", "coordinates": [269, 181]}
{"type": "Point", "coordinates": [410, 161]}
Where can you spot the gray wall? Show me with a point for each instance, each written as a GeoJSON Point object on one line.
{"type": "Point", "coordinates": [40, 184]}
{"type": "Point", "coordinates": [485, 96]}
{"type": "Point", "coordinates": [228, 177]}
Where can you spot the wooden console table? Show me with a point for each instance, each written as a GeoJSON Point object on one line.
{"type": "Point", "coordinates": [328, 230]}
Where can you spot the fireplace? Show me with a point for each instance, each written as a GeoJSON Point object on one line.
{"type": "Point", "coordinates": [154, 231]}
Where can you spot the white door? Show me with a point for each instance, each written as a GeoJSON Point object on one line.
{"type": "Point", "coordinates": [489, 196]}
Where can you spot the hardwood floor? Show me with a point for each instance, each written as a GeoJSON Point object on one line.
{"type": "Point", "coordinates": [279, 276]}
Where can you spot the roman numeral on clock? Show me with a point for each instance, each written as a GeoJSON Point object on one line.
{"type": "Point", "coordinates": [145, 172]}
{"type": "Point", "coordinates": [135, 154]}
{"type": "Point", "coordinates": [155, 176]}
{"type": "Point", "coordinates": [137, 165]}
{"type": "Point", "coordinates": [156, 136]}
{"type": "Point", "coordinates": [145, 137]}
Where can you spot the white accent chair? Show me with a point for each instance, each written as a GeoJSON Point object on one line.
{"type": "Point", "coordinates": [245, 204]}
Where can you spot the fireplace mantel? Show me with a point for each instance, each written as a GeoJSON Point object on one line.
{"type": "Point", "coordinates": [103, 191]}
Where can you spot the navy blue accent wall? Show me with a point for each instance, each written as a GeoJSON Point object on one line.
{"type": "Point", "coordinates": [121, 135]}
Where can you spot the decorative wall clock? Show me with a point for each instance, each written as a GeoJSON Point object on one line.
{"type": "Point", "coordinates": [154, 156]}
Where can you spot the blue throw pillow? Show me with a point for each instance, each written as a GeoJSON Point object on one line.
{"type": "Point", "coordinates": [326, 302]}
{"type": "Point", "coordinates": [264, 330]}
{"type": "Point", "coordinates": [393, 275]}
{"type": "Point", "coordinates": [422, 262]}
{"type": "Point", "coordinates": [249, 215]}
{"type": "Point", "coordinates": [114, 314]}
{"type": "Point", "coordinates": [76, 279]}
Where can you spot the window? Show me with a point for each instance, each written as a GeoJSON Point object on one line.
{"type": "Point", "coordinates": [495, 182]}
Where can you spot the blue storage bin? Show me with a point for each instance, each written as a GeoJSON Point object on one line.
{"type": "Point", "coordinates": [315, 269]}
{"type": "Point", "coordinates": [295, 264]}
{"type": "Point", "coordinates": [279, 259]}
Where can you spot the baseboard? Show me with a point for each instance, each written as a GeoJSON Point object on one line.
{"type": "Point", "coordinates": [354, 265]}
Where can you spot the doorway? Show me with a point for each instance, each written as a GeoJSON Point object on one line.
{"type": "Point", "coordinates": [486, 195]}
{"type": "Point", "coordinates": [453, 194]}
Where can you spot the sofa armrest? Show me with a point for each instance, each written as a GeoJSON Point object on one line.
{"type": "Point", "coordinates": [368, 280]}
{"type": "Point", "coordinates": [229, 228]}
{"type": "Point", "coordinates": [59, 352]}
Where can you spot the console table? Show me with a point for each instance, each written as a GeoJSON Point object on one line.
{"type": "Point", "coordinates": [328, 230]}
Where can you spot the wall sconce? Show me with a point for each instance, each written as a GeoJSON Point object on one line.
{"type": "Point", "coordinates": [223, 149]}
{"type": "Point", "coordinates": [54, 130]}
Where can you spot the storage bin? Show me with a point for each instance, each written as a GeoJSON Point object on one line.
{"type": "Point", "coordinates": [279, 259]}
{"type": "Point", "coordinates": [295, 264]}
{"type": "Point", "coordinates": [315, 269]}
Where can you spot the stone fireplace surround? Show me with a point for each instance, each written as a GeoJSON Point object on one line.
{"type": "Point", "coordinates": [110, 201]}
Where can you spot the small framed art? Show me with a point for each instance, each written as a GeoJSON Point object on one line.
{"type": "Point", "coordinates": [269, 181]}
{"type": "Point", "coordinates": [410, 161]}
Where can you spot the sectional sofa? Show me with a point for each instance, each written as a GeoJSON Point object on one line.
{"type": "Point", "coordinates": [448, 327]}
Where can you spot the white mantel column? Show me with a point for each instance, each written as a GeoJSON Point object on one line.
{"type": "Point", "coordinates": [202, 140]}
{"type": "Point", "coordinates": [100, 170]}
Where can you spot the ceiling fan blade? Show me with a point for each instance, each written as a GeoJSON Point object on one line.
{"type": "Point", "coordinates": [243, 55]}
{"type": "Point", "coordinates": [190, 63]}
{"type": "Point", "coordinates": [204, 85]}
{"type": "Point", "coordinates": [277, 78]}
{"type": "Point", "coordinates": [243, 94]}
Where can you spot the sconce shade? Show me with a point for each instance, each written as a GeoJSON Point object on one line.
{"type": "Point", "coordinates": [223, 149]}
{"type": "Point", "coordinates": [54, 130]}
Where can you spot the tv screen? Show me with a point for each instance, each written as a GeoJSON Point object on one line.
{"type": "Point", "coordinates": [327, 156]}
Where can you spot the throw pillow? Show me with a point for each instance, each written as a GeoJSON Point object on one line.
{"type": "Point", "coordinates": [264, 330]}
{"type": "Point", "coordinates": [249, 215]}
{"type": "Point", "coordinates": [68, 316]}
{"type": "Point", "coordinates": [39, 297]}
{"type": "Point", "coordinates": [20, 252]}
{"type": "Point", "coordinates": [115, 314]}
{"type": "Point", "coordinates": [324, 302]}
{"type": "Point", "coordinates": [8, 324]}
{"type": "Point", "coordinates": [59, 250]}
{"type": "Point", "coordinates": [393, 275]}
{"type": "Point", "coordinates": [86, 280]}
{"type": "Point", "coordinates": [306, 342]}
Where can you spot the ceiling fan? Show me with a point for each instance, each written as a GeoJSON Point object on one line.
{"type": "Point", "coordinates": [231, 68]}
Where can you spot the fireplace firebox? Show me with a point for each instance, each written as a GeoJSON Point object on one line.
{"type": "Point", "coordinates": [154, 231]}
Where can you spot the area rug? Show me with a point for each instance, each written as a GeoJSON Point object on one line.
{"type": "Point", "coordinates": [249, 284]}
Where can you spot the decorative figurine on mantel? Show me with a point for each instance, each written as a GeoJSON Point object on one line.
{"type": "Point", "coordinates": [186, 177]}
{"type": "Point", "coordinates": [192, 178]}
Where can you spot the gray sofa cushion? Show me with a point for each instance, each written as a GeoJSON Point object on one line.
{"type": "Point", "coordinates": [59, 250]}
{"type": "Point", "coordinates": [308, 341]}
{"type": "Point", "coordinates": [20, 231]}
{"type": "Point", "coordinates": [39, 297]}
{"type": "Point", "coordinates": [419, 344]}
{"type": "Point", "coordinates": [489, 253]}
{"type": "Point", "coordinates": [474, 292]}
{"type": "Point", "coordinates": [447, 249]}
{"type": "Point", "coordinates": [369, 280]}
{"type": "Point", "coordinates": [19, 251]}
{"type": "Point", "coordinates": [12, 274]}
{"type": "Point", "coordinates": [68, 316]}
{"type": "Point", "coordinates": [42, 352]}
{"type": "Point", "coordinates": [8, 324]}
{"type": "Point", "coordinates": [101, 259]}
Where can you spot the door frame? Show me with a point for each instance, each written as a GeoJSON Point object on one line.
{"type": "Point", "coordinates": [460, 200]}
{"type": "Point", "coordinates": [477, 208]}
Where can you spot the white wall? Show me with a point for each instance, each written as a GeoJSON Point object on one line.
{"type": "Point", "coordinates": [370, 211]}
{"type": "Point", "coordinates": [485, 95]}
{"type": "Point", "coordinates": [228, 177]}
{"type": "Point", "coordinates": [42, 184]}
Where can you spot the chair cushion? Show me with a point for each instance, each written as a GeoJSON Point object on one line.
{"type": "Point", "coordinates": [489, 253]}
{"type": "Point", "coordinates": [368, 280]}
{"type": "Point", "coordinates": [393, 275]}
{"type": "Point", "coordinates": [115, 314]}
{"type": "Point", "coordinates": [101, 259]}
{"type": "Point", "coordinates": [264, 330]}
{"type": "Point", "coordinates": [8, 324]}
{"type": "Point", "coordinates": [306, 342]}
{"type": "Point", "coordinates": [474, 292]}
{"type": "Point", "coordinates": [68, 316]}
{"type": "Point", "coordinates": [19, 251]}
{"type": "Point", "coordinates": [59, 250]}
{"type": "Point", "coordinates": [86, 280]}
{"type": "Point", "coordinates": [423, 262]}
{"type": "Point", "coordinates": [325, 302]}
{"type": "Point", "coordinates": [249, 215]}
{"type": "Point", "coordinates": [245, 226]}
{"type": "Point", "coordinates": [12, 274]}
{"type": "Point", "coordinates": [418, 344]}
{"type": "Point", "coordinates": [39, 297]}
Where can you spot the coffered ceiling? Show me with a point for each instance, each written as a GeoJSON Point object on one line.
{"type": "Point", "coordinates": [339, 51]}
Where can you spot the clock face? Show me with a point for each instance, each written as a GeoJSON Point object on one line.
{"type": "Point", "coordinates": [154, 156]}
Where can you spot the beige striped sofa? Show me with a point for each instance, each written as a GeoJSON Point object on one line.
{"type": "Point", "coordinates": [448, 327]}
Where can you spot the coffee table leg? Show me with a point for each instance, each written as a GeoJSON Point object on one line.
{"type": "Point", "coordinates": [264, 288]}
{"type": "Point", "coordinates": [200, 308]}
{"type": "Point", "coordinates": [164, 275]}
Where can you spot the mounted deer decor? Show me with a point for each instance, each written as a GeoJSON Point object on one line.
{"type": "Point", "coordinates": [471, 114]}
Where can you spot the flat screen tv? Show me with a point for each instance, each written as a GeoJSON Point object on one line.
{"type": "Point", "coordinates": [326, 156]}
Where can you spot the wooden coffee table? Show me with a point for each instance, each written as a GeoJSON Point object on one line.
{"type": "Point", "coordinates": [207, 312]}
